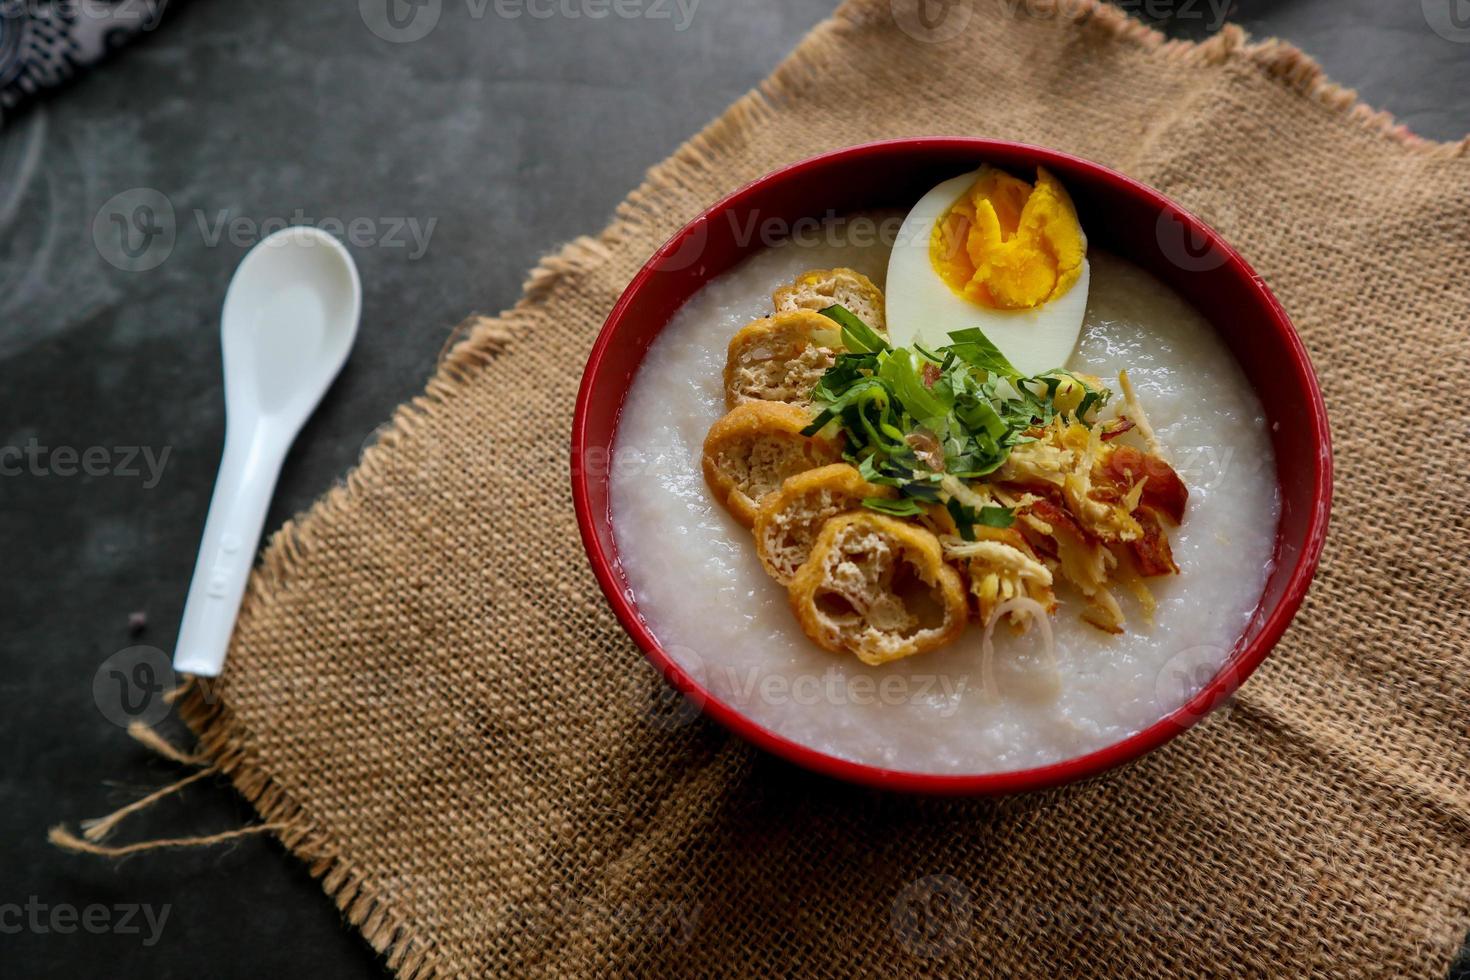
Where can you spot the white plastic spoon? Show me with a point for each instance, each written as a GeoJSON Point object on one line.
{"type": "Point", "coordinates": [289, 321]}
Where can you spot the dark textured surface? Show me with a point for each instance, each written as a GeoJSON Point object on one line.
{"type": "Point", "coordinates": [511, 135]}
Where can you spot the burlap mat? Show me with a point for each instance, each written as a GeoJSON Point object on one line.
{"type": "Point", "coordinates": [430, 695]}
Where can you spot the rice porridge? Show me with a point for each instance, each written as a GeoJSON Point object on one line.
{"type": "Point", "coordinates": [1051, 694]}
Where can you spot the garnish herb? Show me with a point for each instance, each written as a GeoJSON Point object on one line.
{"type": "Point", "coordinates": [913, 416]}
{"type": "Point", "coordinates": [997, 516]}
{"type": "Point", "coordinates": [976, 350]}
{"type": "Point", "coordinates": [857, 336]}
{"type": "Point", "coordinates": [902, 507]}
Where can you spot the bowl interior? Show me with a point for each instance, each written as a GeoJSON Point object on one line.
{"type": "Point", "coordinates": [1119, 215]}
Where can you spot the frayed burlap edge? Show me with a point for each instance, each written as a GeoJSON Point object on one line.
{"type": "Point", "coordinates": [223, 743]}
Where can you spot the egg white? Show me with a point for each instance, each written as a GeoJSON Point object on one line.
{"type": "Point", "coordinates": [921, 307]}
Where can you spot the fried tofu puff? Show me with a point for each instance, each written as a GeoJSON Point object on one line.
{"type": "Point", "coordinates": [878, 588]}
{"type": "Point", "coordinates": [789, 520]}
{"type": "Point", "coordinates": [754, 447]}
{"type": "Point", "coordinates": [818, 289]}
{"type": "Point", "coordinates": [780, 358]}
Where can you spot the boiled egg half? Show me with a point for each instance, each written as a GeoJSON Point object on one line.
{"type": "Point", "coordinates": [989, 250]}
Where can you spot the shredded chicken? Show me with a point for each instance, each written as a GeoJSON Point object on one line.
{"type": "Point", "coordinates": [1135, 414]}
{"type": "Point", "coordinates": [1088, 509]}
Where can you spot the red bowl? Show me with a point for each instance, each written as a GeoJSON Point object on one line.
{"type": "Point", "coordinates": [1119, 214]}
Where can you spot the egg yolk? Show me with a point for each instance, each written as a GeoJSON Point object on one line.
{"type": "Point", "coordinates": [1007, 244]}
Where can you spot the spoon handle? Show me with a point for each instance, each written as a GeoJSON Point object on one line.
{"type": "Point", "coordinates": [242, 494]}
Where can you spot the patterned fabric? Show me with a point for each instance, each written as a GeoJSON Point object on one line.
{"type": "Point", "coordinates": [45, 42]}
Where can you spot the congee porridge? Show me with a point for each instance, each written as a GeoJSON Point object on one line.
{"type": "Point", "coordinates": [972, 499]}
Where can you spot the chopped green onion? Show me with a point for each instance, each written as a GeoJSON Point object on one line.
{"type": "Point", "coordinates": [975, 349]}
{"type": "Point", "coordinates": [913, 416]}
{"type": "Point", "coordinates": [857, 336]}
{"type": "Point", "coordinates": [903, 507]}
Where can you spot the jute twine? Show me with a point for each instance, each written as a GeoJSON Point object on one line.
{"type": "Point", "coordinates": [428, 701]}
